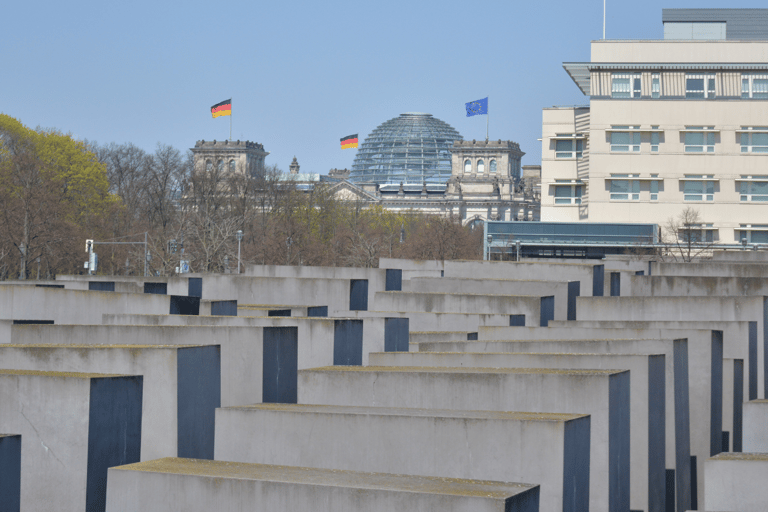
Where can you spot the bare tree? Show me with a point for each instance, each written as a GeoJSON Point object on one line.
{"type": "Point", "coordinates": [684, 237]}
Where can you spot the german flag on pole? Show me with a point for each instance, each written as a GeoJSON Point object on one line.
{"type": "Point", "coordinates": [222, 109]}
{"type": "Point", "coordinates": [350, 141]}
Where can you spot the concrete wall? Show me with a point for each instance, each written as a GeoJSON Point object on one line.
{"type": "Point", "coordinates": [755, 415]}
{"type": "Point", "coordinates": [73, 307]}
{"type": "Point", "coordinates": [588, 274]}
{"type": "Point", "coordinates": [678, 447]}
{"type": "Point", "coordinates": [647, 398]}
{"type": "Point", "coordinates": [177, 415]}
{"type": "Point", "coordinates": [317, 334]}
{"type": "Point", "coordinates": [535, 309]}
{"type": "Point", "coordinates": [499, 389]}
{"type": "Point", "coordinates": [709, 308]}
{"type": "Point", "coordinates": [535, 446]}
{"type": "Point", "coordinates": [736, 481]}
{"type": "Point", "coordinates": [202, 486]}
{"type": "Point", "coordinates": [74, 426]}
{"type": "Point", "coordinates": [755, 269]}
{"type": "Point", "coordinates": [414, 268]}
{"type": "Point", "coordinates": [496, 287]}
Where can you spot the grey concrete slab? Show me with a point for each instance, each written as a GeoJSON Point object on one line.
{"type": "Point", "coordinates": [736, 481]}
{"type": "Point", "coordinates": [241, 349]}
{"type": "Point", "coordinates": [740, 256]}
{"type": "Point", "coordinates": [74, 426]}
{"type": "Point", "coordinates": [10, 472]}
{"type": "Point", "coordinates": [418, 320]}
{"type": "Point", "coordinates": [707, 308]}
{"type": "Point", "coordinates": [550, 449]}
{"type": "Point", "coordinates": [677, 409]}
{"type": "Point", "coordinates": [182, 387]}
{"type": "Point", "coordinates": [73, 306]}
{"type": "Point", "coordinates": [711, 269]}
{"type": "Point", "coordinates": [590, 274]}
{"type": "Point", "coordinates": [647, 398]}
{"type": "Point", "coordinates": [202, 486]}
{"type": "Point", "coordinates": [536, 310]}
{"type": "Point", "coordinates": [755, 426]}
{"type": "Point", "coordinates": [497, 287]}
{"type": "Point", "coordinates": [414, 268]}
{"type": "Point", "coordinates": [319, 335]}
{"type": "Point", "coordinates": [602, 394]}
{"type": "Point", "coordinates": [425, 336]}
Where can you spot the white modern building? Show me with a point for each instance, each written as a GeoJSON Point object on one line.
{"type": "Point", "coordinates": [673, 123]}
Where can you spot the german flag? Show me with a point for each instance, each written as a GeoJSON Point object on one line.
{"type": "Point", "coordinates": [222, 109]}
{"type": "Point", "coordinates": [350, 141]}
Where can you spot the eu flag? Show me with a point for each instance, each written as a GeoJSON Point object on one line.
{"type": "Point", "coordinates": [476, 108]}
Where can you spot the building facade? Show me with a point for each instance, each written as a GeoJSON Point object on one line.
{"type": "Point", "coordinates": [671, 124]}
{"type": "Point", "coordinates": [241, 156]}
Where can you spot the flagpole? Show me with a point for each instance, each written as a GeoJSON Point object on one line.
{"type": "Point", "coordinates": [230, 119]}
{"type": "Point", "coordinates": [487, 122]}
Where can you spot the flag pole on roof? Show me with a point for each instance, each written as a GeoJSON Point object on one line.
{"type": "Point", "coordinates": [478, 108]}
{"type": "Point", "coordinates": [223, 108]}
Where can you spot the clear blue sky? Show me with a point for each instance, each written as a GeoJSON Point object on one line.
{"type": "Point", "coordinates": [301, 74]}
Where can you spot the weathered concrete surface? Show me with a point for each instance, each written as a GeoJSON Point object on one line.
{"type": "Point", "coordinates": [550, 449]}
{"type": "Point", "coordinates": [736, 481]}
{"type": "Point", "coordinates": [602, 394]}
{"type": "Point", "coordinates": [202, 486]}
{"type": "Point", "coordinates": [418, 320]}
{"type": "Point", "coordinates": [678, 447]}
{"type": "Point", "coordinates": [72, 306]}
{"type": "Point", "coordinates": [241, 348]}
{"type": "Point", "coordinates": [414, 268]}
{"type": "Point", "coordinates": [733, 398]}
{"type": "Point", "coordinates": [740, 256]}
{"type": "Point", "coordinates": [496, 287]}
{"type": "Point", "coordinates": [182, 387]}
{"type": "Point", "coordinates": [426, 336]}
{"type": "Point", "coordinates": [697, 286]}
{"type": "Point", "coordinates": [647, 399]}
{"type": "Point", "coordinates": [334, 293]}
{"type": "Point", "coordinates": [711, 269]}
{"type": "Point", "coordinates": [317, 334]}
{"type": "Point", "coordinates": [753, 309]}
{"type": "Point", "coordinates": [74, 426]}
{"type": "Point", "coordinates": [755, 414]}
{"type": "Point", "coordinates": [534, 308]}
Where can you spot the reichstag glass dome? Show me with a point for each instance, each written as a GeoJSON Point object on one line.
{"type": "Point", "coordinates": [411, 148]}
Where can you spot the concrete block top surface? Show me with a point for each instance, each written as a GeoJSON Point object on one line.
{"type": "Point", "coordinates": [410, 412]}
{"type": "Point", "coordinates": [462, 370]}
{"type": "Point", "coordinates": [60, 375]}
{"type": "Point", "coordinates": [459, 294]}
{"type": "Point", "coordinates": [329, 477]}
{"type": "Point", "coordinates": [92, 347]}
{"type": "Point", "coordinates": [740, 456]}
{"type": "Point", "coordinates": [487, 355]}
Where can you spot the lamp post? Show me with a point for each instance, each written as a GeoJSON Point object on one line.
{"type": "Point", "coordinates": [517, 244]}
{"type": "Point", "coordinates": [288, 242]}
{"type": "Point", "coordinates": [23, 266]}
{"type": "Point", "coordinates": [239, 236]}
{"type": "Point", "coordinates": [226, 265]}
{"type": "Point", "coordinates": [489, 239]}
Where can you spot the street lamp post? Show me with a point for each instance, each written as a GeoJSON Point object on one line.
{"type": "Point", "coordinates": [23, 267]}
{"type": "Point", "coordinates": [489, 239]}
{"type": "Point", "coordinates": [226, 265]}
{"type": "Point", "coordinates": [239, 236]}
{"type": "Point", "coordinates": [288, 242]}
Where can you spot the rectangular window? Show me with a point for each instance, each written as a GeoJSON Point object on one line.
{"type": "Point", "coordinates": [655, 85]}
{"type": "Point", "coordinates": [654, 188]}
{"type": "Point", "coordinates": [699, 141]}
{"type": "Point", "coordinates": [625, 85]}
{"type": "Point", "coordinates": [754, 188]}
{"type": "Point", "coordinates": [623, 188]}
{"type": "Point", "coordinates": [754, 87]}
{"type": "Point", "coordinates": [700, 86]}
{"type": "Point", "coordinates": [654, 140]}
{"type": "Point", "coordinates": [755, 142]}
{"type": "Point", "coordinates": [622, 141]}
{"type": "Point", "coordinates": [698, 233]}
{"type": "Point", "coordinates": [752, 234]}
{"type": "Point", "coordinates": [567, 193]}
{"type": "Point", "coordinates": [698, 190]}
{"type": "Point", "coordinates": [569, 148]}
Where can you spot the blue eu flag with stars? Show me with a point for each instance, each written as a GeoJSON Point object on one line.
{"type": "Point", "coordinates": [476, 108]}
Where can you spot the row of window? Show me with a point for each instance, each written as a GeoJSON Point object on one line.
{"type": "Point", "coordinates": [220, 165]}
{"type": "Point", "coordinates": [697, 139]}
{"type": "Point", "coordinates": [697, 86]}
{"type": "Point", "coordinates": [626, 187]}
{"type": "Point", "coordinates": [480, 166]}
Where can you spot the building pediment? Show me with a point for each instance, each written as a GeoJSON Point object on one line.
{"type": "Point", "coordinates": [347, 191]}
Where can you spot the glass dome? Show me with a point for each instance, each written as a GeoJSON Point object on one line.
{"type": "Point", "coordinates": [411, 148]}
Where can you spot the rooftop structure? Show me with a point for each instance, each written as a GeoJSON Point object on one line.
{"type": "Point", "coordinates": [411, 148]}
